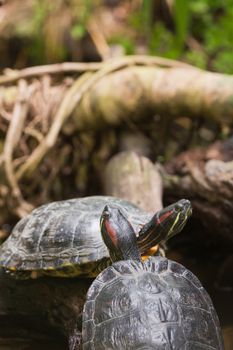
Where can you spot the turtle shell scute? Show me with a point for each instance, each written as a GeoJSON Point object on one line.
{"type": "Point", "coordinates": [157, 304]}
{"type": "Point", "coordinates": [63, 233]}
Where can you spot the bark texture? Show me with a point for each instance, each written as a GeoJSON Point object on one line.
{"type": "Point", "coordinates": [206, 177]}
{"type": "Point", "coordinates": [133, 92]}
{"type": "Point", "coordinates": [40, 310]}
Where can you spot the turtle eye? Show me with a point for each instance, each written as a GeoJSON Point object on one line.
{"type": "Point", "coordinates": [106, 214]}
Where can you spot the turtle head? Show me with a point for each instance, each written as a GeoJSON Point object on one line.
{"type": "Point", "coordinates": [174, 217]}
{"type": "Point", "coordinates": [164, 224]}
{"type": "Point", "coordinates": [118, 235]}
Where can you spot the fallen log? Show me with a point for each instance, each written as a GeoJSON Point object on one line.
{"type": "Point", "coordinates": [40, 310]}
{"type": "Point", "coordinates": [205, 176]}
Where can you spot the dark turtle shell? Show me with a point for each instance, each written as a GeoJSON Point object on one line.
{"type": "Point", "coordinates": [158, 304]}
{"type": "Point", "coordinates": [63, 238]}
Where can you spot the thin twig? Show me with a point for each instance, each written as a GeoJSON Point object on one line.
{"type": "Point", "coordinates": [48, 142]}
{"type": "Point", "coordinates": [98, 39]}
{"type": "Point", "coordinates": [34, 133]}
{"type": "Point", "coordinates": [5, 114]}
{"type": "Point", "coordinates": [58, 68]}
{"type": "Point", "coordinates": [12, 138]}
{"type": "Point", "coordinates": [1, 159]}
{"type": "Point", "coordinates": [16, 162]}
{"type": "Point", "coordinates": [79, 67]}
{"type": "Point", "coordinates": [13, 135]}
{"type": "Point", "coordinates": [144, 60]}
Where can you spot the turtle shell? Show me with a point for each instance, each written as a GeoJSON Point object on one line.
{"type": "Point", "coordinates": [64, 234]}
{"type": "Point", "coordinates": [158, 304]}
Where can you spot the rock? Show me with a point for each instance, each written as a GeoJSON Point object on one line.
{"type": "Point", "coordinates": [135, 178]}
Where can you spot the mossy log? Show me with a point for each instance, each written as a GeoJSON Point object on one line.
{"type": "Point", "coordinates": [132, 88]}
{"type": "Point", "coordinates": [135, 92]}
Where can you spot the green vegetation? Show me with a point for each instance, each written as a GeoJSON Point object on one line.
{"type": "Point", "coordinates": [199, 32]}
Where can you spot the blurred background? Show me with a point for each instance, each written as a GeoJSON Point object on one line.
{"type": "Point", "coordinates": [40, 32]}
{"type": "Point", "coordinates": [198, 32]}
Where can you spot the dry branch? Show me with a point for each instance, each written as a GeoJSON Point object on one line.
{"type": "Point", "coordinates": [135, 91]}
{"type": "Point", "coordinates": [11, 76]}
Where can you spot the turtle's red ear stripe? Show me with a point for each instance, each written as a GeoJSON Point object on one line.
{"type": "Point", "coordinates": [111, 233]}
{"type": "Point", "coordinates": [163, 217]}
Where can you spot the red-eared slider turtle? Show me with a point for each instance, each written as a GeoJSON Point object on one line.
{"type": "Point", "coordinates": [63, 238]}
{"type": "Point", "coordinates": [157, 304]}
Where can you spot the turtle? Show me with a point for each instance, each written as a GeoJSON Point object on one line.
{"type": "Point", "coordinates": [63, 238]}
{"type": "Point", "coordinates": [156, 304]}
